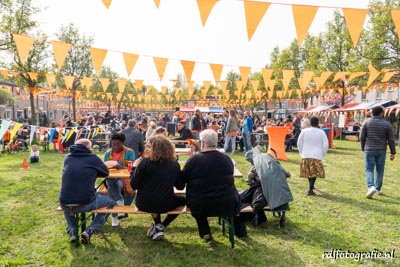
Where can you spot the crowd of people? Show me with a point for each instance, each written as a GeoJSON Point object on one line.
{"type": "Point", "coordinates": [208, 174]}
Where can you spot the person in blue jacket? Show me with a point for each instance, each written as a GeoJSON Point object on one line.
{"type": "Point", "coordinates": [78, 194]}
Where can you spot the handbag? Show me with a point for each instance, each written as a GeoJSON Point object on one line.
{"type": "Point", "coordinates": [127, 190]}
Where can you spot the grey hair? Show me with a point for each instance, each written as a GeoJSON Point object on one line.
{"type": "Point", "coordinates": [210, 138]}
{"type": "Point", "coordinates": [86, 142]}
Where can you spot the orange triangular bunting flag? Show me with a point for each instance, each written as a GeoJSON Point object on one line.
{"type": "Point", "coordinates": [303, 17]}
{"type": "Point", "coordinates": [190, 92]}
{"type": "Point", "coordinates": [244, 73]}
{"type": "Point", "coordinates": [205, 7]}
{"type": "Point", "coordinates": [216, 70]}
{"type": "Point", "coordinates": [98, 56]}
{"type": "Point", "coordinates": [396, 20]}
{"type": "Point", "coordinates": [121, 85]}
{"type": "Point", "coordinates": [355, 19]}
{"type": "Point", "coordinates": [320, 81]}
{"type": "Point", "coordinates": [339, 75]}
{"type": "Point", "coordinates": [372, 77]}
{"type": "Point", "coordinates": [267, 74]}
{"type": "Point", "coordinates": [254, 12]}
{"type": "Point", "coordinates": [188, 67]}
{"type": "Point", "coordinates": [371, 68]}
{"type": "Point", "coordinates": [164, 90]}
{"type": "Point", "coordinates": [24, 44]}
{"type": "Point", "coordinates": [107, 3]}
{"type": "Point", "coordinates": [130, 61]}
{"type": "Point", "coordinates": [355, 75]}
{"type": "Point", "coordinates": [270, 84]}
{"type": "Point", "coordinates": [105, 82]}
{"type": "Point", "coordinates": [206, 84]}
{"type": "Point", "coordinates": [69, 81]}
{"type": "Point", "coordinates": [255, 83]}
{"type": "Point", "coordinates": [60, 50]}
{"type": "Point", "coordinates": [33, 75]}
{"type": "Point", "coordinates": [87, 82]}
{"type": "Point", "coordinates": [223, 85]}
{"type": "Point", "coordinates": [305, 80]}
{"type": "Point", "coordinates": [387, 77]}
{"type": "Point", "coordinates": [51, 79]}
{"type": "Point", "coordinates": [161, 65]}
{"type": "Point", "coordinates": [287, 77]}
{"type": "Point", "coordinates": [138, 85]}
{"type": "Point", "coordinates": [157, 2]}
{"type": "Point", "coordinates": [4, 73]}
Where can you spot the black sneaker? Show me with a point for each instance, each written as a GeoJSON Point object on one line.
{"type": "Point", "coordinates": [159, 232]}
{"type": "Point", "coordinates": [85, 236]}
{"type": "Point", "coordinates": [310, 193]}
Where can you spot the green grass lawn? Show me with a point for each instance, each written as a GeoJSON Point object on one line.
{"type": "Point", "coordinates": [32, 232]}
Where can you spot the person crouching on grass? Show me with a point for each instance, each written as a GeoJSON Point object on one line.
{"type": "Point", "coordinates": [313, 146]}
{"type": "Point", "coordinates": [154, 178]}
{"type": "Point", "coordinates": [34, 155]}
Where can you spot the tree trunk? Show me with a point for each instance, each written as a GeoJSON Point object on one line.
{"type": "Point", "coordinates": [73, 106]}
{"type": "Point", "coordinates": [32, 100]}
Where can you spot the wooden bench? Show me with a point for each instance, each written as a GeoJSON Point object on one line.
{"type": "Point", "coordinates": [185, 210]}
{"type": "Point", "coordinates": [132, 209]}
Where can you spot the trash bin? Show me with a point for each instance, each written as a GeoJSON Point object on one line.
{"type": "Point", "coordinates": [328, 134]}
{"type": "Point", "coordinates": [171, 128]}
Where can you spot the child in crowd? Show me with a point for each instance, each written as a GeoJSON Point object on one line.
{"type": "Point", "coordinates": [194, 147]}
{"type": "Point", "coordinates": [34, 156]}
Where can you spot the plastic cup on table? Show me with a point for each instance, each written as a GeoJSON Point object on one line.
{"type": "Point", "coordinates": [130, 166]}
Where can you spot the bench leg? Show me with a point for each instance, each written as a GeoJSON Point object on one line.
{"type": "Point", "coordinates": [231, 233]}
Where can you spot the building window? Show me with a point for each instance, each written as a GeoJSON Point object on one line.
{"type": "Point", "coordinates": [7, 114]}
{"type": "Point", "coordinates": [284, 104]}
{"type": "Point", "coordinates": [379, 90]}
{"type": "Point", "coordinates": [276, 105]}
{"type": "Point", "coordinates": [51, 115]}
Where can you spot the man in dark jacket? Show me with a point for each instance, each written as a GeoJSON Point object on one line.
{"type": "Point", "coordinates": [198, 124]}
{"type": "Point", "coordinates": [78, 194]}
{"type": "Point", "coordinates": [184, 133]}
{"type": "Point", "coordinates": [376, 134]}
{"type": "Point", "coordinates": [134, 139]}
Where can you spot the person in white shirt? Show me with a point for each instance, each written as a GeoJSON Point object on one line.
{"type": "Point", "coordinates": [312, 145]}
{"type": "Point", "coordinates": [34, 156]}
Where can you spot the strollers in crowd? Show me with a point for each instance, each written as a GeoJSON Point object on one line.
{"type": "Point", "coordinates": [267, 187]}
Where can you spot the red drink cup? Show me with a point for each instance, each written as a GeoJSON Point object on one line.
{"type": "Point", "coordinates": [130, 166]}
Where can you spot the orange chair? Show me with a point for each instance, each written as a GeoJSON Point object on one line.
{"type": "Point", "coordinates": [276, 140]}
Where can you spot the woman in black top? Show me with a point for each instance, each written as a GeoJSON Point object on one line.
{"type": "Point", "coordinates": [154, 178]}
{"type": "Point", "coordinates": [210, 189]}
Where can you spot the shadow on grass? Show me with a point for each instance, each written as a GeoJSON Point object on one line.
{"type": "Point", "coordinates": [182, 247]}
{"type": "Point", "coordinates": [367, 204]}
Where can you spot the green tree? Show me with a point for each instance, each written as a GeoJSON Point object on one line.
{"type": "Point", "coordinates": [16, 17]}
{"type": "Point", "coordinates": [78, 62]}
{"type": "Point", "coordinates": [383, 49]}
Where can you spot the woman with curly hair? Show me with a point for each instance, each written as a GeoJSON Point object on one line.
{"type": "Point", "coordinates": [154, 178]}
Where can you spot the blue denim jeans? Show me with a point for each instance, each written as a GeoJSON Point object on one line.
{"type": "Point", "coordinates": [247, 141]}
{"type": "Point", "coordinates": [98, 221]}
{"type": "Point", "coordinates": [372, 159]}
{"type": "Point", "coordinates": [230, 140]}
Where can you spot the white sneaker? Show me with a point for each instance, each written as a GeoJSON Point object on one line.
{"type": "Point", "coordinates": [120, 203]}
{"type": "Point", "coordinates": [114, 221]}
{"type": "Point", "coordinates": [378, 192]}
{"type": "Point", "coordinates": [371, 191]}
